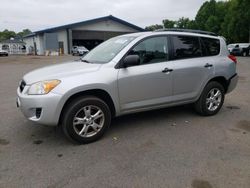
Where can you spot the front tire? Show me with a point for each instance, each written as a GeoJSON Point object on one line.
{"type": "Point", "coordinates": [211, 99]}
{"type": "Point", "coordinates": [86, 119]}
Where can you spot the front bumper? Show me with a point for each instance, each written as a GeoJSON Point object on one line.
{"type": "Point", "coordinates": [42, 109]}
{"type": "Point", "coordinates": [232, 83]}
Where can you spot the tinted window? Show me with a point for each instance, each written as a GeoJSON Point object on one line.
{"type": "Point", "coordinates": [152, 50]}
{"type": "Point", "coordinates": [186, 47]}
{"type": "Point", "coordinates": [211, 46]}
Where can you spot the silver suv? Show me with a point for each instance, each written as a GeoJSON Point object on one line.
{"type": "Point", "coordinates": [127, 74]}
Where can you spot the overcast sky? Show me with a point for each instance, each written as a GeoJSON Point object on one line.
{"type": "Point", "coordinates": [40, 14]}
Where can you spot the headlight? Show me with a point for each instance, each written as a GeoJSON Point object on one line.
{"type": "Point", "coordinates": [43, 87]}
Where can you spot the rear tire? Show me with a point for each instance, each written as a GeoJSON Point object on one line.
{"type": "Point", "coordinates": [211, 99]}
{"type": "Point", "coordinates": [86, 119]}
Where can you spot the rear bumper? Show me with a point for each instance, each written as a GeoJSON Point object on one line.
{"type": "Point", "coordinates": [232, 83]}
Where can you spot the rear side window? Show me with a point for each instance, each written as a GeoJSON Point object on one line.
{"type": "Point", "coordinates": [186, 47]}
{"type": "Point", "coordinates": [211, 46]}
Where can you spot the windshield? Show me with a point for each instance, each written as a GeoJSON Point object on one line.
{"type": "Point", "coordinates": [106, 51]}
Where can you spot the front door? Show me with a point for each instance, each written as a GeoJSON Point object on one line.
{"type": "Point", "coordinates": [150, 83]}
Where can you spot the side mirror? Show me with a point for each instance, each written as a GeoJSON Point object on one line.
{"type": "Point", "coordinates": [131, 60]}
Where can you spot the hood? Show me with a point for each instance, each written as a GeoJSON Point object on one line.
{"type": "Point", "coordinates": [60, 71]}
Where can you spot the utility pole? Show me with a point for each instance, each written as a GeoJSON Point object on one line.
{"type": "Point", "coordinates": [35, 48]}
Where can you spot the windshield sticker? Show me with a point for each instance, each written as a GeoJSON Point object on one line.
{"type": "Point", "coordinates": [121, 41]}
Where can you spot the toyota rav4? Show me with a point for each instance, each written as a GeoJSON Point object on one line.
{"type": "Point", "coordinates": [127, 74]}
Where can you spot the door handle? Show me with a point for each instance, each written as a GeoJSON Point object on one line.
{"type": "Point", "coordinates": [208, 65]}
{"type": "Point", "coordinates": [166, 70]}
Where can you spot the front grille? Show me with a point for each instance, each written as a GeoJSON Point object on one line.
{"type": "Point", "coordinates": [22, 85]}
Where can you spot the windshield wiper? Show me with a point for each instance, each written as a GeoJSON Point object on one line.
{"type": "Point", "coordinates": [85, 61]}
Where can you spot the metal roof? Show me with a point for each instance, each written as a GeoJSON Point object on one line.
{"type": "Point", "coordinates": [86, 22]}
{"type": "Point", "coordinates": [13, 41]}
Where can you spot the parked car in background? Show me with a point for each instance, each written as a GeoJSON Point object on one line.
{"type": "Point", "coordinates": [127, 74]}
{"type": "Point", "coordinates": [240, 49]}
{"type": "Point", "coordinates": [230, 47]}
{"type": "Point", "coordinates": [3, 52]}
{"type": "Point", "coordinates": [246, 49]}
{"type": "Point", "coordinates": [79, 50]}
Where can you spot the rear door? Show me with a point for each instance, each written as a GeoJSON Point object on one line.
{"type": "Point", "coordinates": [191, 69]}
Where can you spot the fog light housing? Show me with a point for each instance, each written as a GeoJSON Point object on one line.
{"type": "Point", "coordinates": [38, 112]}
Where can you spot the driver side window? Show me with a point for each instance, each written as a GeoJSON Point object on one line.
{"type": "Point", "coordinates": [152, 50]}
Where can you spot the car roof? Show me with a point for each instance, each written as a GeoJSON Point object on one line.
{"type": "Point", "coordinates": [153, 33]}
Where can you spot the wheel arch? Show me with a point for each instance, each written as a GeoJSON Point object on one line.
{"type": "Point", "coordinates": [222, 80]}
{"type": "Point", "coordinates": [100, 93]}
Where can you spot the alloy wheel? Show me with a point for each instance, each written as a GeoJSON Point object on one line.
{"type": "Point", "coordinates": [88, 121]}
{"type": "Point", "coordinates": [213, 99]}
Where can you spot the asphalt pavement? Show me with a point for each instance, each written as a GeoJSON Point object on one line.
{"type": "Point", "coordinates": [168, 148]}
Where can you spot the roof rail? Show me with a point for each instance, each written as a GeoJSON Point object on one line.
{"type": "Point", "coordinates": [188, 30]}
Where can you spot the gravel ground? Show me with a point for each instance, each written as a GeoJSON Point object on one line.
{"type": "Point", "coordinates": [173, 147]}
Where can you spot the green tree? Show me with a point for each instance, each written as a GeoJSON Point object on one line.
{"type": "Point", "coordinates": [186, 23]}
{"type": "Point", "coordinates": [206, 10]}
{"type": "Point", "coordinates": [236, 25]}
{"type": "Point", "coordinates": [192, 25]}
{"type": "Point", "coordinates": [212, 24]}
{"type": "Point", "coordinates": [24, 32]}
{"type": "Point", "coordinates": [230, 19]}
{"type": "Point", "coordinates": [154, 27]}
{"type": "Point", "coordinates": [168, 23]}
{"type": "Point", "coordinates": [6, 34]}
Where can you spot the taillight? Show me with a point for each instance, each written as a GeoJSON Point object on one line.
{"type": "Point", "coordinates": [233, 58]}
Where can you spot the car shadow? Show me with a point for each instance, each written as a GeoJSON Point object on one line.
{"type": "Point", "coordinates": [143, 120]}
{"type": "Point", "coordinates": [155, 117]}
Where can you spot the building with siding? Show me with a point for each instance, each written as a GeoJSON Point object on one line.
{"type": "Point", "coordinates": [88, 33]}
